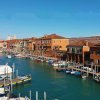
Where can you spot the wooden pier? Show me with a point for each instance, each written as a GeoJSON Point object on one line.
{"type": "Point", "coordinates": [77, 69]}
{"type": "Point", "coordinates": [15, 81]}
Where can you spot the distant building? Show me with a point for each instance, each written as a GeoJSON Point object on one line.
{"type": "Point", "coordinates": [11, 37]}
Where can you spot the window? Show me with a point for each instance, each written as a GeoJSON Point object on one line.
{"type": "Point", "coordinates": [60, 46]}
{"type": "Point", "coordinates": [73, 50]}
{"type": "Point", "coordinates": [91, 51]}
{"type": "Point", "coordinates": [98, 52]}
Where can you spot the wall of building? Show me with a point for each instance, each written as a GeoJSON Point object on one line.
{"type": "Point", "coordinates": [60, 43]}
{"type": "Point", "coordinates": [86, 48]}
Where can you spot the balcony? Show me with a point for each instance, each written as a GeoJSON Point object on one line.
{"type": "Point", "coordinates": [74, 52]}
{"type": "Point", "coordinates": [95, 56]}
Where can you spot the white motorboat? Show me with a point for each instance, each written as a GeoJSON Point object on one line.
{"type": "Point", "coordinates": [97, 78]}
{"type": "Point", "coordinates": [4, 91]}
{"type": "Point", "coordinates": [9, 56]}
{"type": "Point", "coordinates": [72, 72]}
{"type": "Point", "coordinates": [84, 76]}
{"type": "Point", "coordinates": [68, 71]}
{"type": "Point", "coordinates": [19, 98]}
{"type": "Point", "coordinates": [20, 56]}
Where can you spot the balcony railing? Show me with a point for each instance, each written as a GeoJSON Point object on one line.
{"type": "Point", "coordinates": [74, 52]}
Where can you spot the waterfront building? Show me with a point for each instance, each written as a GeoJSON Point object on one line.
{"type": "Point", "coordinates": [51, 46]}
{"type": "Point", "coordinates": [95, 53]}
{"type": "Point", "coordinates": [78, 51]}
{"type": "Point", "coordinates": [9, 37]}
{"type": "Point", "coordinates": [29, 45]}
{"type": "Point", "coordinates": [1, 45]}
{"type": "Point", "coordinates": [12, 45]}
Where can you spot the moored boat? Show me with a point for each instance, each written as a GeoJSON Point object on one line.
{"type": "Point", "coordinates": [84, 76]}
{"type": "Point", "coordinates": [97, 78]}
{"type": "Point", "coordinates": [20, 56]}
{"type": "Point", "coordinates": [77, 73]}
{"type": "Point", "coordinates": [9, 56]}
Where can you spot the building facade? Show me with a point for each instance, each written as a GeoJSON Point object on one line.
{"type": "Point", "coordinates": [51, 46]}
{"type": "Point", "coordinates": [95, 54]}
{"type": "Point", "coordinates": [78, 52]}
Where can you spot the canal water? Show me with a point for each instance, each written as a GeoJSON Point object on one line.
{"type": "Point", "coordinates": [57, 85]}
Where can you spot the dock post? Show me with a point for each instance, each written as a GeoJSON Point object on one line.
{"type": "Point", "coordinates": [36, 95]}
{"type": "Point", "coordinates": [7, 72]}
{"type": "Point", "coordinates": [19, 96]}
{"type": "Point", "coordinates": [93, 74]}
{"type": "Point", "coordinates": [44, 95]}
{"type": "Point", "coordinates": [30, 94]}
{"type": "Point", "coordinates": [4, 82]}
{"type": "Point", "coordinates": [11, 83]}
{"type": "Point", "coordinates": [95, 69]}
{"type": "Point", "coordinates": [17, 73]}
{"type": "Point", "coordinates": [13, 68]}
{"type": "Point", "coordinates": [87, 72]}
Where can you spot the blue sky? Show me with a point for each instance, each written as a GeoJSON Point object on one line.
{"type": "Point", "coordinates": [34, 18]}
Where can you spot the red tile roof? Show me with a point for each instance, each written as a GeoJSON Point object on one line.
{"type": "Point", "coordinates": [52, 36]}
{"type": "Point", "coordinates": [90, 41]}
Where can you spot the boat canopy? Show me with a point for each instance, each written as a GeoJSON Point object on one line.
{"type": "Point", "coordinates": [5, 69]}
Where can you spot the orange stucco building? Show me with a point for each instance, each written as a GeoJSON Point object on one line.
{"type": "Point", "coordinates": [95, 54]}
{"type": "Point", "coordinates": [78, 51]}
{"type": "Point", "coordinates": [51, 46]}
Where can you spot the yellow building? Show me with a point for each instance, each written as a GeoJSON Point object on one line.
{"type": "Point", "coordinates": [51, 46]}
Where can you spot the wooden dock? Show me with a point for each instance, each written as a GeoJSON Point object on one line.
{"type": "Point", "coordinates": [15, 81]}
{"type": "Point", "coordinates": [77, 69]}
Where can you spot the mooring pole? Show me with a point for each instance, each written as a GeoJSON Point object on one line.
{"type": "Point", "coordinates": [36, 95]}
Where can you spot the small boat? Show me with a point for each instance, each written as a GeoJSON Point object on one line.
{"type": "Point", "coordinates": [84, 76]}
{"type": "Point", "coordinates": [18, 98]}
{"type": "Point", "coordinates": [2, 77]}
{"type": "Point", "coordinates": [26, 78]}
{"type": "Point", "coordinates": [4, 91]}
{"type": "Point", "coordinates": [73, 72]}
{"type": "Point", "coordinates": [20, 56]}
{"type": "Point", "coordinates": [68, 71]}
{"type": "Point", "coordinates": [77, 73]}
{"type": "Point", "coordinates": [32, 58]}
{"type": "Point", "coordinates": [97, 78]}
{"type": "Point", "coordinates": [9, 56]}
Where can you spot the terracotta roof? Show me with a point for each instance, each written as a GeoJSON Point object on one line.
{"type": "Point", "coordinates": [96, 44]}
{"type": "Point", "coordinates": [77, 43]}
{"type": "Point", "coordinates": [87, 38]}
{"type": "Point", "coordinates": [52, 36]}
{"type": "Point", "coordinates": [1, 41]}
{"type": "Point", "coordinates": [81, 41]}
